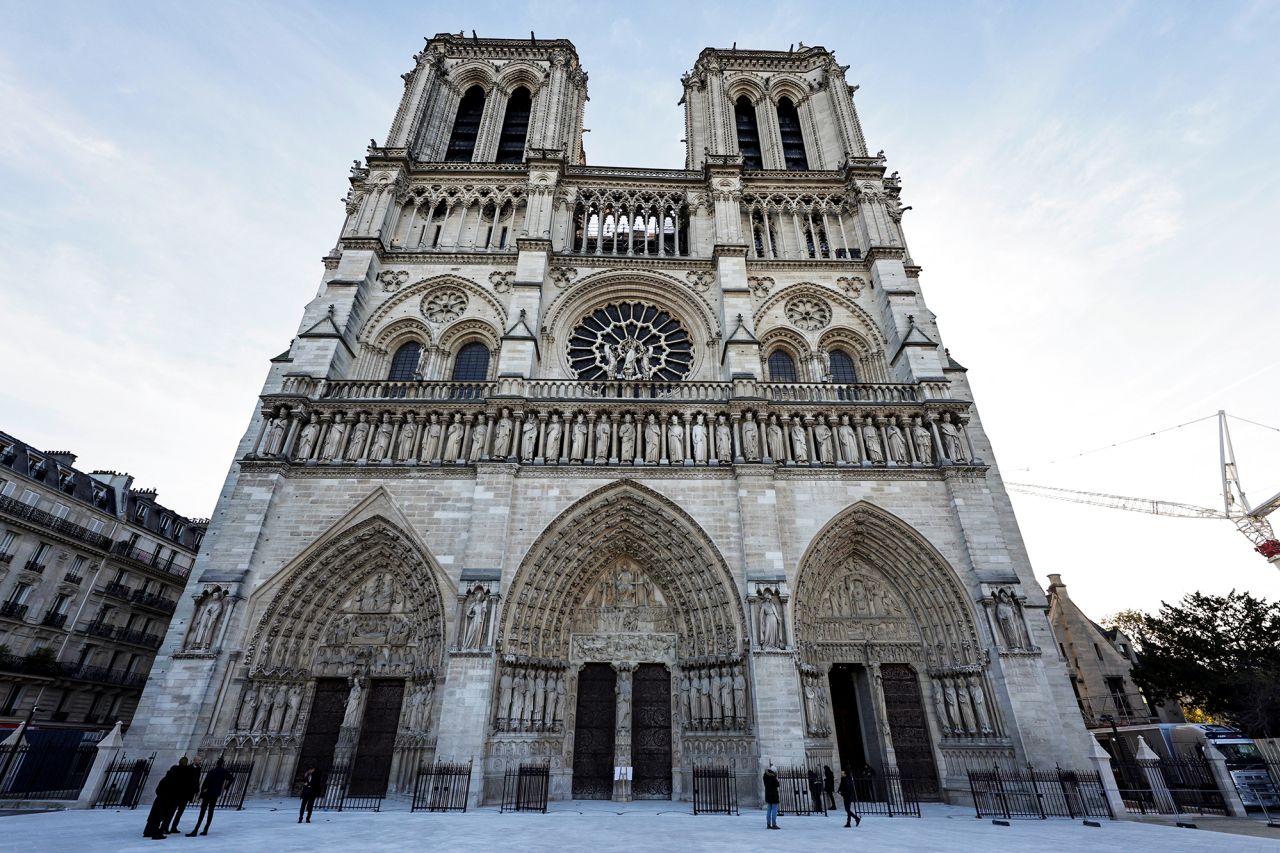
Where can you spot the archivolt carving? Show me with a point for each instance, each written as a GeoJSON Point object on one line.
{"type": "Point", "coordinates": [668, 549]}
{"type": "Point", "coordinates": [370, 593]}
{"type": "Point", "coordinates": [813, 291]}
{"type": "Point", "coordinates": [869, 578]}
{"type": "Point", "coordinates": [406, 298]}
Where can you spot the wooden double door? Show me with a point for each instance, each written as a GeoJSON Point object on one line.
{"type": "Point", "coordinates": [595, 732]}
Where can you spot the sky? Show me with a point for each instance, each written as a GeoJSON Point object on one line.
{"type": "Point", "coordinates": [1094, 193]}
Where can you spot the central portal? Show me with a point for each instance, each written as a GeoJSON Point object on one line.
{"type": "Point", "coordinates": [651, 742]}
{"type": "Point", "coordinates": [593, 738]}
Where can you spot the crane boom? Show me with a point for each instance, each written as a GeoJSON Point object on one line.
{"type": "Point", "coordinates": [1147, 505]}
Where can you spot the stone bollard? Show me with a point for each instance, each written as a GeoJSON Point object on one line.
{"type": "Point", "coordinates": [1222, 778]}
{"type": "Point", "coordinates": [1150, 764]}
{"type": "Point", "coordinates": [1102, 763]}
{"type": "Point", "coordinates": [109, 748]}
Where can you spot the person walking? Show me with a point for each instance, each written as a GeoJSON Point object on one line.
{"type": "Point", "coordinates": [167, 794]}
{"type": "Point", "coordinates": [214, 782]}
{"type": "Point", "coordinates": [310, 790]}
{"type": "Point", "coordinates": [187, 790]}
{"type": "Point", "coordinates": [771, 799]}
{"type": "Point", "coordinates": [829, 785]}
{"type": "Point", "coordinates": [846, 794]}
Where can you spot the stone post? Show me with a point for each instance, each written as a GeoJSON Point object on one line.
{"type": "Point", "coordinates": [622, 732]}
{"type": "Point", "coordinates": [1102, 764]}
{"type": "Point", "coordinates": [109, 749]}
{"type": "Point", "coordinates": [1150, 764]}
{"type": "Point", "coordinates": [1222, 778]}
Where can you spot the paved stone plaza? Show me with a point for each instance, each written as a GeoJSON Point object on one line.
{"type": "Point", "coordinates": [572, 826]}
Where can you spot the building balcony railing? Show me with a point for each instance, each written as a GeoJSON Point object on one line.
{"type": "Point", "coordinates": [73, 579]}
{"type": "Point", "coordinates": [108, 676]}
{"type": "Point", "coordinates": [13, 610]}
{"type": "Point", "coordinates": [33, 566]}
{"type": "Point", "coordinates": [5, 559]}
{"type": "Point", "coordinates": [148, 560]}
{"type": "Point", "coordinates": [29, 665]}
{"type": "Point", "coordinates": [153, 601]}
{"type": "Point", "coordinates": [117, 590]}
{"type": "Point", "coordinates": [100, 629]}
{"type": "Point", "coordinates": [54, 620]}
{"type": "Point", "coordinates": [26, 512]}
{"type": "Point", "coordinates": [1122, 709]}
{"type": "Point", "coordinates": [43, 666]}
{"type": "Point", "coordinates": [138, 638]}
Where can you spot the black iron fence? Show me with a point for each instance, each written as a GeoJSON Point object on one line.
{"type": "Point", "coordinates": [1192, 786]}
{"type": "Point", "coordinates": [337, 796]}
{"type": "Point", "coordinates": [715, 789]}
{"type": "Point", "coordinates": [800, 791]}
{"type": "Point", "coordinates": [888, 793]}
{"type": "Point", "coordinates": [1039, 794]}
{"type": "Point", "coordinates": [525, 788]}
{"type": "Point", "coordinates": [53, 771]}
{"type": "Point", "coordinates": [232, 796]}
{"type": "Point", "coordinates": [442, 787]}
{"type": "Point", "coordinates": [125, 781]}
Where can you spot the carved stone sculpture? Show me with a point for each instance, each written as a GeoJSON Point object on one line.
{"type": "Point", "coordinates": [307, 439]}
{"type": "Point", "coordinates": [431, 442]}
{"type": "Point", "coordinates": [275, 437]}
{"type": "Point", "coordinates": [897, 444]}
{"type": "Point", "coordinates": [923, 441]}
{"type": "Point", "coordinates": [627, 438]}
{"type": "Point", "coordinates": [529, 438]}
{"type": "Point", "coordinates": [479, 433]}
{"type": "Point", "coordinates": [354, 706]}
{"type": "Point", "coordinates": [799, 441]}
{"type": "Point", "coordinates": [777, 442]}
{"type": "Point", "coordinates": [1013, 629]}
{"type": "Point", "coordinates": [502, 435]}
{"type": "Point", "coordinates": [204, 626]}
{"type": "Point", "coordinates": [750, 438]}
{"type": "Point", "coordinates": [980, 708]}
{"type": "Point", "coordinates": [551, 449]}
{"type": "Point", "coordinates": [359, 434]}
{"type": "Point", "coordinates": [724, 440]}
{"type": "Point", "coordinates": [652, 440]}
{"type": "Point", "coordinates": [477, 604]}
{"type": "Point", "coordinates": [602, 440]}
{"type": "Point", "coordinates": [333, 441]}
{"type": "Point", "coordinates": [675, 440]}
{"type": "Point", "coordinates": [578, 443]}
{"type": "Point", "coordinates": [408, 432]}
{"type": "Point", "coordinates": [698, 438]}
{"type": "Point", "coordinates": [770, 621]}
{"type": "Point", "coordinates": [952, 443]}
{"type": "Point", "coordinates": [940, 708]}
{"type": "Point", "coordinates": [381, 440]}
{"type": "Point", "coordinates": [453, 440]}
{"type": "Point", "coordinates": [871, 441]}
{"type": "Point", "coordinates": [822, 441]}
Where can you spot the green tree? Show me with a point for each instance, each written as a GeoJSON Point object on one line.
{"type": "Point", "coordinates": [1220, 654]}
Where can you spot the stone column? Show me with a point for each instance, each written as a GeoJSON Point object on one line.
{"type": "Point", "coordinates": [1150, 764]}
{"type": "Point", "coordinates": [1222, 778]}
{"type": "Point", "coordinates": [882, 714]}
{"type": "Point", "coordinates": [109, 748]}
{"type": "Point", "coordinates": [622, 731]}
{"type": "Point", "coordinates": [1102, 764]}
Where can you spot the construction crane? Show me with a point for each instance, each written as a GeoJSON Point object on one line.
{"type": "Point", "coordinates": [1249, 519]}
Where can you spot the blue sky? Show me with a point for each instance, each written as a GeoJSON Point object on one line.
{"type": "Point", "coordinates": [1094, 192]}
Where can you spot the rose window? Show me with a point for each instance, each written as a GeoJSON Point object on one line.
{"type": "Point", "coordinates": [444, 305]}
{"type": "Point", "coordinates": [808, 314]}
{"type": "Point", "coordinates": [630, 340]}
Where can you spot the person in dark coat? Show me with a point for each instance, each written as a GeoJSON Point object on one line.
{"type": "Point", "coordinates": [771, 799]}
{"type": "Point", "coordinates": [187, 790]}
{"type": "Point", "coordinates": [310, 790]}
{"type": "Point", "coordinates": [167, 794]}
{"type": "Point", "coordinates": [829, 785]}
{"type": "Point", "coordinates": [215, 781]}
{"type": "Point", "coordinates": [846, 794]}
{"type": "Point", "coordinates": [815, 790]}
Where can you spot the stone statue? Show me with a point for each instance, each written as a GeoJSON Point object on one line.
{"type": "Point", "coordinates": [770, 621]}
{"type": "Point", "coordinates": [557, 706]}
{"type": "Point", "coordinates": [351, 714]}
{"type": "Point", "coordinates": [750, 438]}
{"type": "Point", "coordinates": [897, 444]}
{"type": "Point", "coordinates": [1012, 629]}
{"type": "Point", "coordinates": [980, 708]}
{"type": "Point", "coordinates": [714, 711]}
{"type": "Point", "coordinates": [777, 445]}
{"type": "Point", "coordinates": [479, 433]}
{"type": "Point", "coordinates": [966, 709]}
{"type": "Point", "coordinates": [307, 440]}
{"type": "Point", "coordinates": [686, 697]}
{"type": "Point", "coordinates": [504, 695]}
{"type": "Point", "coordinates": [578, 443]}
{"type": "Point", "coordinates": [953, 712]}
{"type": "Point", "coordinates": [724, 440]}
{"type": "Point", "coordinates": [453, 440]}
{"type": "Point", "coordinates": [627, 438]}
{"type": "Point", "coordinates": [726, 696]}
{"type": "Point", "coordinates": [846, 441]}
{"type": "Point", "coordinates": [408, 432]}
{"type": "Point", "coordinates": [675, 440]}
{"type": "Point", "coordinates": [698, 438]}
{"type": "Point", "coordinates": [940, 708]}
{"type": "Point", "coordinates": [923, 441]}
{"type": "Point", "coordinates": [248, 704]}
{"type": "Point", "coordinates": [529, 437]}
{"type": "Point", "coordinates": [278, 705]}
{"type": "Point", "coordinates": [502, 435]}
{"type": "Point", "coordinates": [519, 689]}
{"type": "Point", "coordinates": [420, 369]}
{"type": "Point", "coordinates": [603, 443]}
{"type": "Point", "coordinates": [624, 703]}
{"type": "Point", "coordinates": [652, 440]}
{"type": "Point", "coordinates": [295, 704]}
{"type": "Point", "coordinates": [811, 706]}
{"type": "Point", "coordinates": [551, 449]}
{"type": "Point", "coordinates": [476, 606]}
{"type": "Point", "coordinates": [333, 441]}
{"type": "Point", "coordinates": [799, 442]}
{"type": "Point", "coordinates": [537, 706]}
{"type": "Point", "coordinates": [381, 440]}
{"type": "Point", "coordinates": [275, 436]}
{"type": "Point", "coordinates": [871, 441]}
{"type": "Point", "coordinates": [264, 710]}
{"type": "Point", "coordinates": [822, 440]}
{"type": "Point", "coordinates": [952, 443]}
{"type": "Point", "coordinates": [359, 434]}
{"type": "Point", "coordinates": [739, 694]}
{"type": "Point", "coordinates": [207, 620]}
{"type": "Point", "coordinates": [431, 444]}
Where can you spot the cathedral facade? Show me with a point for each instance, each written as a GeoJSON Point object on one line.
{"type": "Point", "coordinates": [616, 470]}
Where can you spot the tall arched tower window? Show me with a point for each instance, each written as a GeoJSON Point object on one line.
{"type": "Point", "coordinates": [792, 137]}
{"type": "Point", "coordinates": [782, 368]}
{"type": "Point", "coordinates": [466, 127]}
{"type": "Point", "coordinates": [842, 370]}
{"type": "Point", "coordinates": [748, 133]}
{"type": "Point", "coordinates": [471, 363]}
{"type": "Point", "coordinates": [515, 127]}
{"type": "Point", "coordinates": [405, 362]}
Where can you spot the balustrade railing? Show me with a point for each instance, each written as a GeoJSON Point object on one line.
{"type": "Point", "coordinates": [148, 560]}
{"type": "Point", "coordinates": [27, 512]}
{"type": "Point", "coordinates": [118, 590]}
{"type": "Point", "coordinates": [33, 566]}
{"type": "Point", "coordinates": [154, 601]}
{"type": "Point", "coordinates": [54, 620]}
{"type": "Point", "coordinates": [13, 610]}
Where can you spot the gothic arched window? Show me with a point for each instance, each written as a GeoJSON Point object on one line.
{"type": "Point", "coordinates": [466, 127]}
{"type": "Point", "coordinates": [748, 133]}
{"type": "Point", "coordinates": [471, 363]}
{"type": "Point", "coordinates": [405, 362]}
{"type": "Point", "coordinates": [515, 127]}
{"type": "Point", "coordinates": [792, 137]}
{"type": "Point", "coordinates": [782, 367]}
{"type": "Point", "coordinates": [842, 369]}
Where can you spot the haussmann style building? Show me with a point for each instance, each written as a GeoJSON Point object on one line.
{"type": "Point", "coordinates": [611, 467]}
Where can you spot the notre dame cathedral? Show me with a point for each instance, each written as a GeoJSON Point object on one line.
{"type": "Point", "coordinates": [616, 470]}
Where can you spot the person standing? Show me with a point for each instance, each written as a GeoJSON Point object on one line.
{"type": "Point", "coordinates": [815, 790]}
{"type": "Point", "coordinates": [846, 794]}
{"type": "Point", "coordinates": [214, 783]}
{"type": "Point", "coordinates": [310, 790]}
{"type": "Point", "coordinates": [187, 790]}
{"type": "Point", "coordinates": [829, 785]}
{"type": "Point", "coordinates": [167, 794]}
{"type": "Point", "coordinates": [771, 797]}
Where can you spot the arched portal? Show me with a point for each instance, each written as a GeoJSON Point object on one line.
{"type": "Point", "coordinates": [622, 645]}
{"type": "Point", "coordinates": [892, 667]}
{"type": "Point", "coordinates": [341, 669]}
